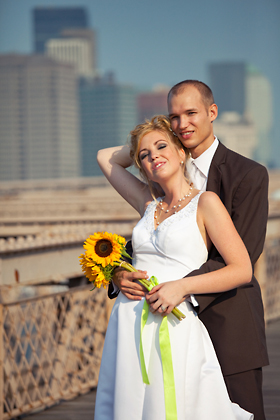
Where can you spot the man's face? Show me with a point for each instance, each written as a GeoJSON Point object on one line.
{"type": "Point", "coordinates": [191, 121]}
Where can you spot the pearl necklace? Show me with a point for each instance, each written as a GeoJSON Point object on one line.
{"type": "Point", "coordinates": [175, 207]}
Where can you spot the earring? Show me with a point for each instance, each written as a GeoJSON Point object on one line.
{"type": "Point", "coordinates": [182, 162]}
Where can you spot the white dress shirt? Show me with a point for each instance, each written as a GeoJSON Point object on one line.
{"type": "Point", "coordinates": [198, 168]}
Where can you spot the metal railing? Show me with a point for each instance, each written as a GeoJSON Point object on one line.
{"type": "Point", "coordinates": [50, 348]}
{"type": "Point", "coordinates": [268, 274]}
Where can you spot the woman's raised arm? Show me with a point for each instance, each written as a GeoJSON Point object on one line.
{"type": "Point", "coordinates": [113, 163]}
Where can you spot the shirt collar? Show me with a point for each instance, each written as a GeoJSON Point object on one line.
{"type": "Point", "coordinates": [203, 161]}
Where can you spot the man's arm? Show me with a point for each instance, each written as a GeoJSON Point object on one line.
{"type": "Point", "coordinates": [249, 215]}
{"type": "Point", "coordinates": [125, 281]}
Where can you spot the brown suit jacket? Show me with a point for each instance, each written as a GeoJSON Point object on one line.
{"type": "Point", "coordinates": [235, 319]}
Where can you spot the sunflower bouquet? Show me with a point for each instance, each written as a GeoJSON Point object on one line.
{"type": "Point", "coordinates": [103, 252]}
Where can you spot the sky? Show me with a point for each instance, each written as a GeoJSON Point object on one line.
{"type": "Point", "coordinates": [151, 42]}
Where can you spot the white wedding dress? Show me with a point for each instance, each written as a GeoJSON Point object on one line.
{"type": "Point", "coordinates": [170, 252]}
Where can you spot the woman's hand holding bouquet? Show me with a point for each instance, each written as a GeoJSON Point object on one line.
{"type": "Point", "coordinates": [104, 252]}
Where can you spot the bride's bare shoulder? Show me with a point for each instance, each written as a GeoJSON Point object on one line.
{"type": "Point", "coordinates": [209, 198]}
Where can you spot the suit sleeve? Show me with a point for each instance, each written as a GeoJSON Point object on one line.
{"type": "Point", "coordinates": [249, 215]}
{"type": "Point", "coordinates": [111, 293]}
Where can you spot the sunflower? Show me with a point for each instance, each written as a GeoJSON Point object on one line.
{"type": "Point", "coordinates": [104, 248]}
{"type": "Point", "coordinates": [87, 265]}
{"type": "Point", "coordinates": [93, 271]}
{"type": "Point", "coordinates": [103, 253]}
{"type": "Point", "coordinates": [100, 279]}
{"type": "Point", "coordinates": [119, 239]}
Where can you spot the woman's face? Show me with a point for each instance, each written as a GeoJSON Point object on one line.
{"type": "Point", "coordinates": [159, 157]}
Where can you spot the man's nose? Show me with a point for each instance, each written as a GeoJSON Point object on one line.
{"type": "Point", "coordinates": [183, 122]}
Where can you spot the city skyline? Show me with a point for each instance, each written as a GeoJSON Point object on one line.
{"type": "Point", "coordinates": [142, 42]}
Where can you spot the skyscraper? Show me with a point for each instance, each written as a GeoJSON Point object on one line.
{"type": "Point", "coordinates": [108, 113]}
{"type": "Point", "coordinates": [240, 88]}
{"type": "Point", "coordinates": [227, 81]}
{"type": "Point", "coordinates": [152, 103]}
{"type": "Point", "coordinates": [63, 34]}
{"type": "Point", "coordinates": [49, 22]}
{"type": "Point", "coordinates": [260, 110]}
{"type": "Point", "coordinates": [76, 51]}
{"type": "Point", "coordinates": [39, 125]}
{"type": "Point", "coordinates": [236, 133]}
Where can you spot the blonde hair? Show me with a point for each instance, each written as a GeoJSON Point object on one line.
{"type": "Point", "coordinates": [158, 123]}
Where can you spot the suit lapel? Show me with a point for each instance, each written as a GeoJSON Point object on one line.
{"type": "Point", "coordinates": [215, 171]}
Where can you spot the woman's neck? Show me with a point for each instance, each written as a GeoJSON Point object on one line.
{"type": "Point", "coordinates": [175, 191]}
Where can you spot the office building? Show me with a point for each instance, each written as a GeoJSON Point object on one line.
{"type": "Point", "coordinates": [39, 121]}
{"type": "Point", "coordinates": [89, 37]}
{"type": "Point", "coordinates": [236, 133]}
{"type": "Point", "coordinates": [49, 22]}
{"type": "Point", "coordinates": [152, 103]}
{"type": "Point", "coordinates": [77, 51]}
{"type": "Point", "coordinates": [240, 88]}
{"type": "Point", "coordinates": [108, 114]}
{"type": "Point", "coordinates": [260, 109]}
{"type": "Point", "coordinates": [227, 81]}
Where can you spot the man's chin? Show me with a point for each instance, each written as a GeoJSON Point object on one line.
{"type": "Point", "coordinates": [187, 143]}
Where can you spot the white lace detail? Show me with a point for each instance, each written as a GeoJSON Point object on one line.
{"type": "Point", "coordinates": [148, 217]}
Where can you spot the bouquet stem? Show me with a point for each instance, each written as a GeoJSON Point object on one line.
{"type": "Point", "coordinates": [149, 284]}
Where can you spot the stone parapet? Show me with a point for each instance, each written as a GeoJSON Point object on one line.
{"type": "Point", "coordinates": [63, 235]}
{"type": "Point", "coordinates": [53, 254]}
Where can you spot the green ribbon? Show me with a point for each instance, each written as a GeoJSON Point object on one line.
{"type": "Point", "coordinates": [144, 317]}
{"type": "Point", "coordinates": [167, 370]}
{"type": "Point", "coordinates": [166, 360]}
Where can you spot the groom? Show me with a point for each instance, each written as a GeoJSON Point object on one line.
{"type": "Point", "coordinates": [234, 319]}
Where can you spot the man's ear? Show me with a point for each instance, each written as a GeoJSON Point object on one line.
{"type": "Point", "coordinates": [213, 112]}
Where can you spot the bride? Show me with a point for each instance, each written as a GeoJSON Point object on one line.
{"type": "Point", "coordinates": [163, 368]}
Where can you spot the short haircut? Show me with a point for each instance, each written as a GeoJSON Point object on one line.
{"type": "Point", "coordinates": [205, 91]}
